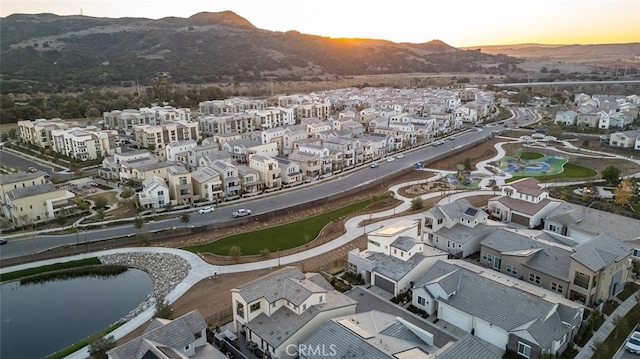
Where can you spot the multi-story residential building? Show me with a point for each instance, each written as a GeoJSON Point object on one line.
{"type": "Point", "coordinates": [112, 165]}
{"type": "Point", "coordinates": [12, 181]}
{"type": "Point", "coordinates": [181, 338]}
{"type": "Point", "coordinates": [231, 182]}
{"type": "Point", "coordinates": [310, 163]}
{"type": "Point", "coordinates": [180, 186]}
{"type": "Point", "coordinates": [289, 172]}
{"type": "Point", "coordinates": [125, 120]}
{"type": "Point", "coordinates": [207, 185]}
{"type": "Point", "coordinates": [315, 125]}
{"type": "Point", "coordinates": [295, 136]}
{"type": "Point", "coordinates": [591, 272]}
{"type": "Point", "coordinates": [137, 171]}
{"type": "Point", "coordinates": [545, 325]}
{"type": "Point", "coordinates": [84, 144]}
{"type": "Point", "coordinates": [457, 227]}
{"type": "Point", "coordinates": [250, 181]}
{"type": "Point", "coordinates": [157, 137]}
{"type": "Point", "coordinates": [181, 149]}
{"type": "Point", "coordinates": [522, 202]}
{"type": "Point", "coordinates": [38, 132]}
{"type": "Point", "coordinates": [625, 139]}
{"type": "Point", "coordinates": [567, 118]}
{"type": "Point", "coordinates": [577, 224]}
{"type": "Point", "coordinates": [268, 170]}
{"type": "Point", "coordinates": [345, 146]}
{"type": "Point", "coordinates": [226, 125]}
{"type": "Point", "coordinates": [231, 106]}
{"type": "Point", "coordinates": [283, 308]}
{"type": "Point", "coordinates": [194, 154]}
{"type": "Point", "coordinates": [328, 160]}
{"type": "Point", "coordinates": [37, 204]}
{"type": "Point", "coordinates": [273, 117]}
{"type": "Point", "coordinates": [395, 257]}
{"type": "Point", "coordinates": [588, 119]}
{"type": "Point", "coordinates": [240, 150]}
{"type": "Point", "coordinates": [154, 194]}
{"type": "Point", "coordinates": [370, 335]}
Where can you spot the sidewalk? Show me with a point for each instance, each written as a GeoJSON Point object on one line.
{"type": "Point", "coordinates": [607, 327]}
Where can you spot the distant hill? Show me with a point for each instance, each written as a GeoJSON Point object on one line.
{"type": "Point", "coordinates": [599, 54]}
{"type": "Point", "coordinates": [47, 52]}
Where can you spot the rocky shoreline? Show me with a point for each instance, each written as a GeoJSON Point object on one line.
{"type": "Point", "coordinates": [166, 271]}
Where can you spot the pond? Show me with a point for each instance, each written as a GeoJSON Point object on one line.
{"type": "Point", "coordinates": [40, 319]}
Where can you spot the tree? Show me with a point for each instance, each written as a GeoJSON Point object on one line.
{"type": "Point", "coordinates": [99, 345]}
{"type": "Point", "coordinates": [185, 218]}
{"type": "Point", "coordinates": [169, 206]}
{"type": "Point", "coordinates": [265, 252]}
{"type": "Point", "coordinates": [100, 202]}
{"type": "Point", "coordinates": [163, 309]}
{"type": "Point", "coordinates": [416, 203]}
{"type": "Point", "coordinates": [611, 174]}
{"type": "Point", "coordinates": [624, 192]}
{"type": "Point", "coordinates": [139, 224]}
{"type": "Point", "coordinates": [100, 215]}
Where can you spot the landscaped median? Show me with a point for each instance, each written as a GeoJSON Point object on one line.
{"type": "Point", "coordinates": [277, 238]}
{"type": "Point", "coordinates": [5, 277]}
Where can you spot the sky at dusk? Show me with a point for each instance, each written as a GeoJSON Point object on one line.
{"type": "Point", "coordinates": [457, 22]}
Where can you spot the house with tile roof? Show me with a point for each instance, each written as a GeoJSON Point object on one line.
{"type": "Point", "coordinates": [591, 272]}
{"type": "Point", "coordinates": [457, 228]}
{"type": "Point", "coordinates": [283, 308]}
{"type": "Point", "coordinates": [468, 346]}
{"type": "Point", "coordinates": [180, 338]}
{"type": "Point", "coordinates": [580, 223]}
{"type": "Point", "coordinates": [498, 309]}
{"type": "Point", "coordinates": [371, 335]}
{"type": "Point", "coordinates": [395, 257]}
{"type": "Point", "coordinates": [522, 202]}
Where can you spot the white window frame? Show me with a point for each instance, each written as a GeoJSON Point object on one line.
{"type": "Point", "coordinates": [523, 348]}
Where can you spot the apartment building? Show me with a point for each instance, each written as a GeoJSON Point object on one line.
{"type": "Point", "coordinates": [37, 203]}
{"type": "Point", "coordinates": [158, 136]}
{"type": "Point", "coordinates": [38, 132]}
{"type": "Point", "coordinates": [84, 144]}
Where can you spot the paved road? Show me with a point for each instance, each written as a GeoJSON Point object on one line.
{"type": "Point", "coordinates": [261, 204]}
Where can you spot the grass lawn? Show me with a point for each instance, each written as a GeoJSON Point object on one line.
{"type": "Point", "coordinates": [531, 155]}
{"type": "Point", "coordinates": [110, 196]}
{"type": "Point", "coordinates": [49, 268]}
{"type": "Point", "coordinates": [570, 171]}
{"type": "Point", "coordinates": [609, 346]}
{"type": "Point", "coordinates": [277, 238]}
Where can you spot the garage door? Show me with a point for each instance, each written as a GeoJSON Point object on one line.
{"type": "Point", "coordinates": [459, 320]}
{"type": "Point", "coordinates": [385, 284]}
{"type": "Point", "coordinates": [490, 334]}
{"type": "Point", "coordinates": [520, 219]}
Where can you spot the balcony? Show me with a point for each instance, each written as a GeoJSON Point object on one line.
{"type": "Point", "coordinates": [581, 283]}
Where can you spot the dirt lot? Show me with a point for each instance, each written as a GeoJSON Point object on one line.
{"type": "Point", "coordinates": [213, 297]}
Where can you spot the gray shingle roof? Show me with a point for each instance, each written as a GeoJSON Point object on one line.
{"type": "Point", "coordinates": [283, 323]}
{"type": "Point", "coordinates": [286, 283]}
{"type": "Point", "coordinates": [601, 251]}
{"type": "Point", "coordinates": [404, 243]}
{"type": "Point", "coordinates": [386, 334]}
{"type": "Point", "coordinates": [506, 307]}
{"type": "Point", "coordinates": [31, 191]}
{"type": "Point", "coordinates": [392, 267]}
{"type": "Point", "coordinates": [176, 334]}
{"type": "Point", "coordinates": [543, 257]}
{"type": "Point", "coordinates": [528, 186]}
{"type": "Point", "coordinates": [594, 221]}
{"type": "Point", "coordinates": [19, 177]}
{"type": "Point", "coordinates": [468, 347]}
{"type": "Point", "coordinates": [462, 234]}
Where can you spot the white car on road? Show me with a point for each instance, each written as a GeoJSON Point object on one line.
{"type": "Point", "coordinates": [632, 344]}
{"type": "Point", "coordinates": [391, 159]}
{"type": "Point", "coordinates": [206, 210]}
{"type": "Point", "coordinates": [400, 155]}
{"type": "Point", "coordinates": [241, 213]}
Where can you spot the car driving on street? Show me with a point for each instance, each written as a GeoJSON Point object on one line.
{"type": "Point", "coordinates": [241, 213]}
{"type": "Point", "coordinates": [206, 210]}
